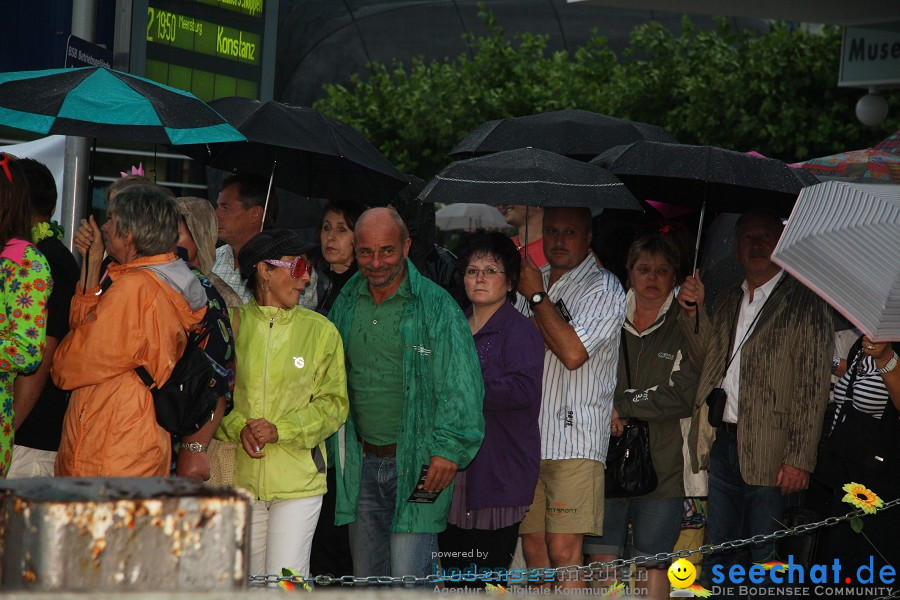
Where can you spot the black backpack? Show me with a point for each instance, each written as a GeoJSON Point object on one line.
{"type": "Point", "coordinates": [187, 400]}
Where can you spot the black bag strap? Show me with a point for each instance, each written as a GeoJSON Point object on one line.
{"type": "Point", "coordinates": [141, 370]}
{"type": "Point", "coordinates": [737, 312]}
{"type": "Point", "coordinates": [145, 376]}
{"type": "Point", "coordinates": [625, 357]}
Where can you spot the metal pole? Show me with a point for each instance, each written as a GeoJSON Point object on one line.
{"type": "Point", "coordinates": [75, 201]}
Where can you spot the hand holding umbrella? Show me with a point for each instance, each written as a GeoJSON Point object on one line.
{"type": "Point", "coordinates": [692, 293]}
{"type": "Point", "coordinates": [530, 279]}
{"type": "Point", "coordinates": [88, 240]}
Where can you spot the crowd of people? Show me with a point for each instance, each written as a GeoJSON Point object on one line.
{"type": "Point", "coordinates": [392, 412]}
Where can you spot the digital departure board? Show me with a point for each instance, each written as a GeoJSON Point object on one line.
{"type": "Point", "coordinates": [211, 48]}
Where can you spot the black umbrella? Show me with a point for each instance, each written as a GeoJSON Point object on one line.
{"type": "Point", "coordinates": [574, 133]}
{"type": "Point", "coordinates": [698, 176]}
{"type": "Point", "coordinates": [689, 175]}
{"type": "Point", "coordinates": [99, 102]}
{"type": "Point", "coordinates": [701, 176]}
{"type": "Point", "coordinates": [301, 150]}
{"type": "Point", "coordinates": [531, 177]}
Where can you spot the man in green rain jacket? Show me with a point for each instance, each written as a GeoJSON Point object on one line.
{"type": "Point", "coordinates": [416, 395]}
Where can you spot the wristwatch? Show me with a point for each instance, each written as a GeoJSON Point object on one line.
{"type": "Point", "coordinates": [536, 299]}
{"type": "Point", "coordinates": [193, 447]}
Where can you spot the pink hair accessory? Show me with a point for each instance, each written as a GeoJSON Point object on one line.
{"type": "Point", "coordinates": [138, 170]}
{"type": "Point", "coordinates": [665, 229]}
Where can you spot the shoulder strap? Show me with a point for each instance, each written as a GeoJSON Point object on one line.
{"type": "Point", "coordinates": [142, 371]}
{"type": "Point", "coordinates": [625, 355]}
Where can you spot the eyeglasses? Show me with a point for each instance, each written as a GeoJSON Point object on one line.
{"type": "Point", "coordinates": [5, 164]}
{"type": "Point", "coordinates": [298, 266]}
{"type": "Point", "coordinates": [490, 272]}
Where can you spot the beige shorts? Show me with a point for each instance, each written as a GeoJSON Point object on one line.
{"type": "Point", "coordinates": [568, 498]}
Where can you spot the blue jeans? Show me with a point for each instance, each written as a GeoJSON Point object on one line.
{"type": "Point", "coordinates": [737, 510]}
{"type": "Point", "coordinates": [375, 550]}
{"type": "Point", "coordinates": [655, 526]}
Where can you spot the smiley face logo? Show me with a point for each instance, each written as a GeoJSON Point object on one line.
{"type": "Point", "coordinates": [682, 573]}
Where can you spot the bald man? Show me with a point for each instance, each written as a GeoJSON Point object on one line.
{"type": "Point", "coordinates": [416, 394]}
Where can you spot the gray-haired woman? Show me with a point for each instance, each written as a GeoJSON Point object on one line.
{"type": "Point", "coordinates": [110, 427]}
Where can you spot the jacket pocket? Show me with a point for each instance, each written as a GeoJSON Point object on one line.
{"type": "Point", "coordinates": [318, 459]}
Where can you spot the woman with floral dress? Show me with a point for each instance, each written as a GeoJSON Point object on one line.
{"type": "Point", "coordinates": [24, 288]}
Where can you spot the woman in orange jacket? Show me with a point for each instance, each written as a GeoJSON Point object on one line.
{"type": "Point", "coordinates": [110, 427]}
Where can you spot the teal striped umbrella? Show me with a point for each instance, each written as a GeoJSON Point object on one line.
{"type": "Point", "coordinates": [103, 103]}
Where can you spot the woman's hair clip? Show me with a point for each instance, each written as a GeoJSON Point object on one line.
{"type": "Point", "coordinates": [138, 170]}
{"type": "Point", "coordinates": [665, 229]}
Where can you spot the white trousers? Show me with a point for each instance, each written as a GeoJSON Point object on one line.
{"type": "Point", "coordinates": [281, 534]}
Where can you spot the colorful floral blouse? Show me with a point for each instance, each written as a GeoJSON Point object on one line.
{"type": "Point", "coordinates": [25, 285]}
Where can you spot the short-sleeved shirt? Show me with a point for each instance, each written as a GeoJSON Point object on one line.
{"type": "Point", "coordinates": [43, 427]}
{"type": "Point", "coordinates": [535, 250]}
{"type": "Point", "coordinates": [375, 364]}
{"type": "Point", "coordinates": [576, 406]}
{"type": "Point", "coordinates": [217, 340]}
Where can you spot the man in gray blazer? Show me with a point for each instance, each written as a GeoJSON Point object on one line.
{"type": "Point", "coordinates": [768, 346]}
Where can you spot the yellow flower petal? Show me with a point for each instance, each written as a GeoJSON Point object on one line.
{"type": "Point", "coordinates": [700, 591]}
{"type": "Point", "coordinates": [862, 497]}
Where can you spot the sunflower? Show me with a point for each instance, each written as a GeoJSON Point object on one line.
{"type": "Point", "coordinates": [699, 591]}
{"type": "Point", "coordinates": [296, 583]}
{"type": "Point", "coordinates": [862, 497]}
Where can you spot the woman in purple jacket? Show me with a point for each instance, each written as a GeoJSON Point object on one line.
{"type": "Point", "coordinates": [493, 493]}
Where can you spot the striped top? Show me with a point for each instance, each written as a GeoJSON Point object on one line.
{"type": "Point", "coordinates": [869, 394]}
{"type": "Point", "coordinates": [576, 406]}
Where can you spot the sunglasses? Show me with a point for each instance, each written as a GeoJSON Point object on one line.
{"type": "Point", "coordinates": [298, 266]}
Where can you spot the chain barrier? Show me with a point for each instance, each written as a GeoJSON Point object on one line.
{"type": "Point", "coordinates": [540, 575]}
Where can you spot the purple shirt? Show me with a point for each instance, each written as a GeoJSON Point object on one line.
{"type": "Point", "coordinates": [504, 473]}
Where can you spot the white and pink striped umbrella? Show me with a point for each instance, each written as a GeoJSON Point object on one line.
{"type": "Point", "coordinates": [843, 242]}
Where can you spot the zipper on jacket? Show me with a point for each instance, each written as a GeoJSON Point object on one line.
{"type": "Point", "coordinates": [637, 368]}
{"type": "Point", "coordinates": [264, 397]}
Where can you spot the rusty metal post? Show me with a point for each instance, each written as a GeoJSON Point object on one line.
{"type": "Point", "coordinates": [119, 534]}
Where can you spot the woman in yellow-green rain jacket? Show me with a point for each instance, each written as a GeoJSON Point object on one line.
{"type": "Point", "coordinates": [290, 394]}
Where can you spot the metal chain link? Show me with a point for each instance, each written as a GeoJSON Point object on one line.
{"type": "Point", "coordinates": [594, 567]}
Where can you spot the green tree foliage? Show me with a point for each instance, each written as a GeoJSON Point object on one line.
{"type": "Point", "coordinates": [775, 93]}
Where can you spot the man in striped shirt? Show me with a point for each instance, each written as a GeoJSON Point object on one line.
{"type": "Point", "coordinates": [579, 309]}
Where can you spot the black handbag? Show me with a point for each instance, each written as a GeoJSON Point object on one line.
{"type": "Point", "coordinates": [629, 466]}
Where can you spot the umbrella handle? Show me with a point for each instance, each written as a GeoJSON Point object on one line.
{"type": "Point", "coordinates": [269, 192]}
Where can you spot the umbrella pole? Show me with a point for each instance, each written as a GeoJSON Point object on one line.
{"type": "Point", "coordinates": [89, 205]}
{"type": "Point", "coordinates": [268, 193]}
{"type": "Point", "coordinates": [85, 257]}
{"type": "Point", "coordinates": [696, 256]}
{"type": "Point", "coordinates": [525, 239]}
{"type": "Point", "coordinates": [699, 235]}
